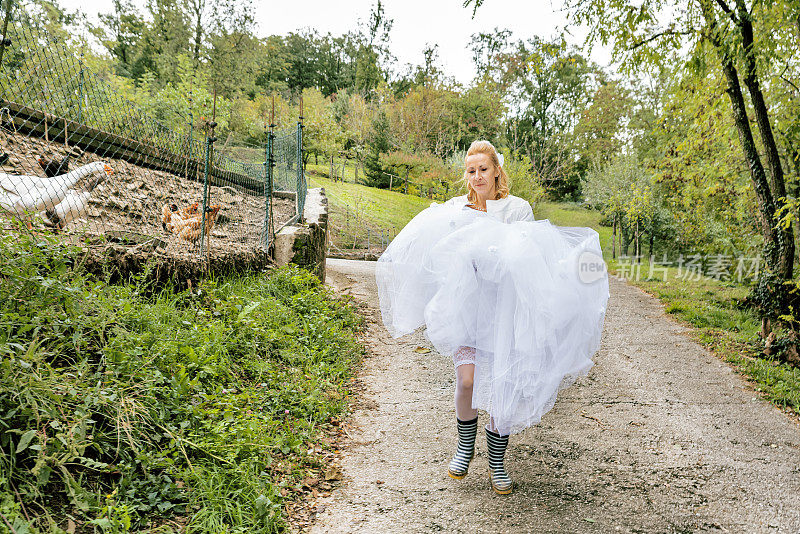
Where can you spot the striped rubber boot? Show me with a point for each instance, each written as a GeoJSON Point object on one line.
{"type": "Point", "coordinates": [467, 430]}
{"type": "Point", "coordinates": [501, 483]}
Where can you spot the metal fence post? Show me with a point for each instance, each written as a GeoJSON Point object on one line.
{"type": "Point", "coordinates": [209, 148]}
{"type": "Point", "coordinates": [80, 89]}
{"type": "Point", "coordinates": [301, 179]}
{"type": "Point", "coordinates": [269, 163]}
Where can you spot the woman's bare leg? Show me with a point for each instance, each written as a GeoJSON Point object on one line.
{"type": "Point", "coordinates": [466, 418]}
{"type": "Point", "coordinates": [465, 375]}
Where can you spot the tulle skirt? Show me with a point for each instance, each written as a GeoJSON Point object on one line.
{"type": "Point", "coordinates": [529, 297]}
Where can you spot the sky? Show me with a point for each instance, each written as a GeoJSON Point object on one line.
{"type": "Point", "coordinates": [416, 23]}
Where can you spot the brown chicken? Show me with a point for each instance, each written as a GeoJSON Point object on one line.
{"type": "Point", "coordinates": [191, 229]}
{"type": "Point", "coordinates": [167, 211]}
{"type": "Point", "coordinates": [190, 210]}
{"type": "Point", "coordinates": [172, 217]}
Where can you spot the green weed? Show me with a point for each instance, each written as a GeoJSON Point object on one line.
{"type": "Point", "coordinates": [124, 409]}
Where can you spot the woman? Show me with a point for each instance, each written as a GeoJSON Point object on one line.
{"type": "Point", "coordinates": [518, 303]}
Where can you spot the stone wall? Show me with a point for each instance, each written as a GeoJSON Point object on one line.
{"type": "Point", "coordinates": [305, 243]}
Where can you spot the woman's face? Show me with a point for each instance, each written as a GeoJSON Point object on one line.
{"type": "Point", "coordinates": [481, 174]}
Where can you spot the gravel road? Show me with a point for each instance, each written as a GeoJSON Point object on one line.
{"type": "Point", "coordinates": [660, 437]}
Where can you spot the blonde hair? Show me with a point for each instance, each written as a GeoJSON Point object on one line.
{"type": "Point", "coordinates": [500, 183]}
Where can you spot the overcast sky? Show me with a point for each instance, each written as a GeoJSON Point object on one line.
{"type": "Point", "coordinates": [416, 22]}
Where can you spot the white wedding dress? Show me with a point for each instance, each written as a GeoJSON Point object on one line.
{"type": "Point", "coordinates": [530, 298]}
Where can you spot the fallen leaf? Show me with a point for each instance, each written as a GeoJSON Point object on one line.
{"type": "Point", "coordinates": [333, 472]}
{"type": "Point", "coordinates": [422, 350]}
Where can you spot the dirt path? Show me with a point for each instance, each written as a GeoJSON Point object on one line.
{"type": "Point", "coordinates": [660, 437]}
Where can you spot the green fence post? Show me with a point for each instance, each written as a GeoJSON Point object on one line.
{"type": "Point", "coordinates": [209, 148]}
{"type": "Point", "coordinates": [80, 89]}
{"type": "Point", "coordinates": [301, 178]}
{"type": "Point", "coordinates": [269, 163]}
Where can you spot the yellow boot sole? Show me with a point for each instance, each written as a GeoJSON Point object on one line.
{"type": "Point", "coordinates": [498, 490]}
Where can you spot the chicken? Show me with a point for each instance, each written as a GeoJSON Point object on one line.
{"type": "Point", "coordinates": [167, 211]}
{"type": "Point", "coordinates": [73, 206]}
{"type": "Point", "coordinates": [171, 217]}
{"type": "Point", "coordinates": [192, 228]}
{"type": "Point", "coordinates": [21, 195]}
{"type": "Point", "coordinates": [54, 167]}
{"type": "Point", "coordinates": [190, 210]}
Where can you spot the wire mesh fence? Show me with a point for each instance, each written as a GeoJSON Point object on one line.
{"type": "Point", "coordinates": [78, 159]}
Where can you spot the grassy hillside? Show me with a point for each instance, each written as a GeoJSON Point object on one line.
{"type": "Point", "coordinates": [356, 208]}
{"type": "Point", "coordinates": [379, 207]}
{"type": "Point", "coordinates": [359, 213]}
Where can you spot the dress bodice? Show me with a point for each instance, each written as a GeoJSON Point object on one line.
{"type": "Point", "coordinates": [506, 210]}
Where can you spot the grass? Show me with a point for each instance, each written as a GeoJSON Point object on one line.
{"type": "Point", "coordinates": [357, 210]}
{"type": "Point", "coordinates": [125, 408]}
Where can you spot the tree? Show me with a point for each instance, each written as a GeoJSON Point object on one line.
{"type": "Point", "coordinates": [373, 51]}
{"type": "Point", "coordinates": [621, 189]}
{"type": "Point", "coordinates": [272, 66]}
{"type": "Point", "coordinates": [377, 144]}
{"type": "Point", "coordinates": [234, 48]}
{"type": "Point", "coordinates": [545, 84]}
{"type": "Point", "coordinates": [301, 52]}
{"type": "Point", "coordinates": [600, 131]}
{"type": "Point", "coordinates": [120, 32]}
{"type": "Point", "coordinates": [729, 31]}
{"type": "Point", "coordinates": [322, 135]}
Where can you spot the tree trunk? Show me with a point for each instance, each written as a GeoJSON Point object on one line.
{"type": "Point", "coordinates": [764, 198]}
{"type": "Point", "coordinates": [624, 238]}
{"type": "Point", "coordinates": [333, 176]}
{"type": "Point", "coordinates": [785, 236]}
{"type": "Point", "coordinates": [614, 237]}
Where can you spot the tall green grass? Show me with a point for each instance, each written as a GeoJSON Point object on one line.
{"type": "Point", "coordinates": [355, 209]}
{"type": "Point", "coordinates": [125, 408]}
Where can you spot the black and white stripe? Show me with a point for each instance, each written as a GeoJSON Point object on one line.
{"type": "Point", "coordinates": [497, 444]}
{"type": "Point", "coordinates": [467, 430]}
